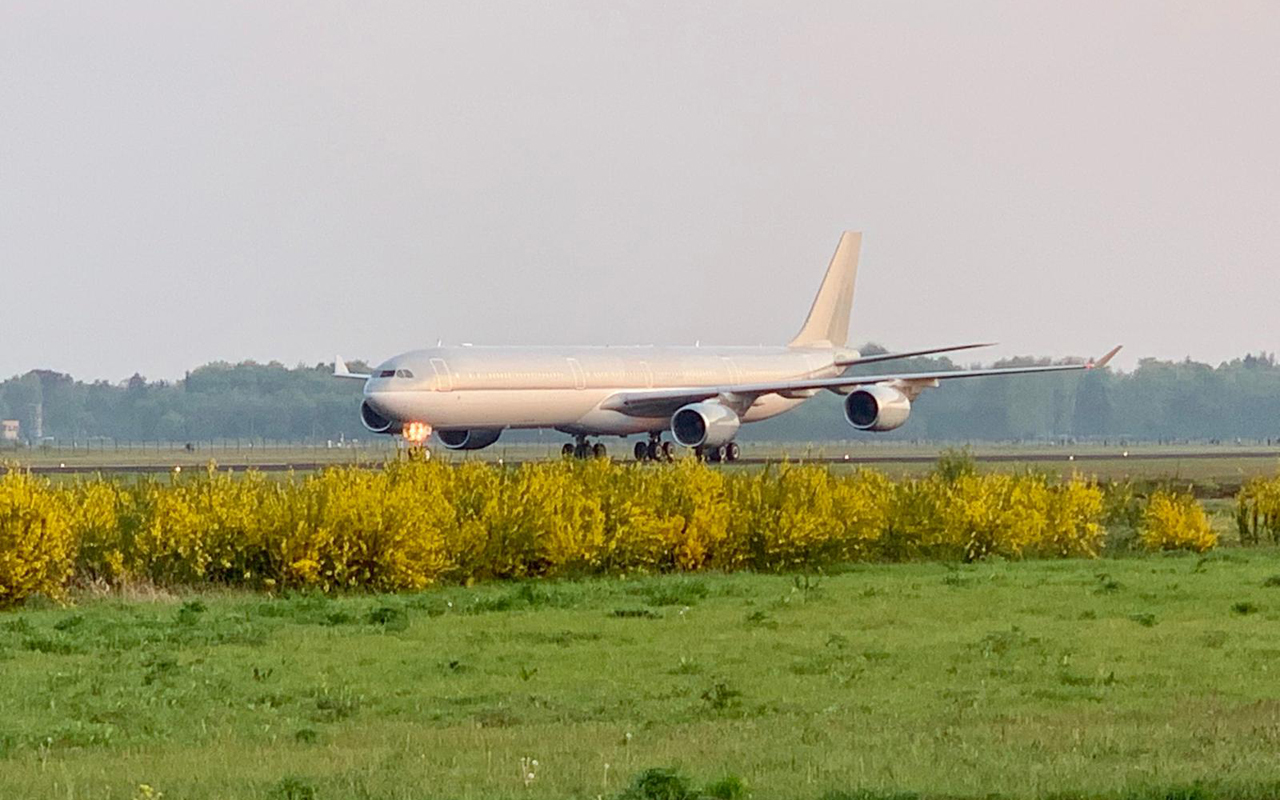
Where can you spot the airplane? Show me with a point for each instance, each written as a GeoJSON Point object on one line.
{"type": "Point", "coordinates": [468, 395]}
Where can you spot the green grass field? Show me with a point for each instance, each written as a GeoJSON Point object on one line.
{"type": "Point", "coordinates": [1031, 679]}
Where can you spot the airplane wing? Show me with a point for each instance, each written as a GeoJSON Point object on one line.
{"type": "Point", "coordinates": [340, 370]}
{"type": "Point", "coordinates": [663, 402]}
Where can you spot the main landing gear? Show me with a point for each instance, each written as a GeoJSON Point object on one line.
{"type": "Point", "coordinates": [655, 449]}
{"type": "Point", "coordinates": [584, 449]}
{"type": "Point", "coordinates": [715, 455]}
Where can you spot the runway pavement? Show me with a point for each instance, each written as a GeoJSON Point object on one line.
{"type": "Point", "coordinates": [853, 458]}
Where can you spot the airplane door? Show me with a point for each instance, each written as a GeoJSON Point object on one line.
{"type": "Point", "coordinates": [579, 377]}
{"type": "Point", "coordinates": [444, 378]}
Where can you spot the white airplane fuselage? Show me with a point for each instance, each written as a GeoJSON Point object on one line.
{"type": "Point", "coordinates": [469, 395]}
{"type": "Point", "coordinates": [475, 387]}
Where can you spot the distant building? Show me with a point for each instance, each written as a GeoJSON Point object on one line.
{"type": "Point", "coordinates": [9, 430]}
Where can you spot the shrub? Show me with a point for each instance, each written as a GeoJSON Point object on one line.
{"type": "Point", "coordinates": [1122, 506]}
{"type": "Point", "coordinates": [1176, 522]}
{"type": "Point", "coordinates": [1073, 524]}
{"type": "Point", "coordinates": [1244, 608]}
{"type": "Point", "coordinates": [37, 546]}
{"type": "Point", "coordinates": [659, 783]}
{"type": "Point", "coordinates": [1258, 511]}
{"type": "Point", "coordinates": [730, 787]}
{"type": "Point", "coordinates": [954, 464]}
{"type": "Point", "coordinates": [101, 513]}
{"type": "Point", "coordinates": [997, 514]}
{"type": "Point", "coordinates": [415, 523]}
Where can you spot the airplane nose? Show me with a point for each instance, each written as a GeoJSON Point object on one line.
{"type": "Point", "coordinates": [392, 405]}
{"type": "Point", "coordinates": [378, 401]}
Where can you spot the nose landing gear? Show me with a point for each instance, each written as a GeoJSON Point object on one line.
{"type": "Point", "coordinates": [415, 435]}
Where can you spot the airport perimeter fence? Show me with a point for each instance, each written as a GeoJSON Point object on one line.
{"type": "Point", "coordinates": [55, 445]}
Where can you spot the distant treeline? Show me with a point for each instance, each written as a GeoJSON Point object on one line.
{"type": "Point", "coordinates": [1157, 400]}
{"type": "Point", "coordinates": [216, 401]}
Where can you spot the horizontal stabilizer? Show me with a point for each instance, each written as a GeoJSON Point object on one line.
{"type": "Point", "coordinates": [933, 351]}
{"type": "Point", "coordinates": [340, 370]}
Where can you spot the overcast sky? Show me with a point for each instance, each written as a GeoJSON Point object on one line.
{"type": "Point", "coordinates": [186, 182]}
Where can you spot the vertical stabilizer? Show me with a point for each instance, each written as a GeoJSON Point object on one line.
{"type": "Point", "coordinates": [828, 322]}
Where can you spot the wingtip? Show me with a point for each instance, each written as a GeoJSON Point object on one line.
{"type": "Point", "coordinates": [1102, 362]}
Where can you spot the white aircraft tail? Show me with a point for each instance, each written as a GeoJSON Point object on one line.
{"type": "Point", "coordinates": [828, 322]}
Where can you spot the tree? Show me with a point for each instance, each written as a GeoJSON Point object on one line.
{"type": "Point", "coordinates": [1093, 406]}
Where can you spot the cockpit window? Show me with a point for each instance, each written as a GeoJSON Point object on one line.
{"type": "Point", "coordinates": [387, 373]}
{"type": "Point", "coordinates": [404, 373]}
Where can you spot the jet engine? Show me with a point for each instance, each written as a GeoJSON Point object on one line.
{"type": "Point", "coordinates": [704, 424]}
{"type": "Point", "coordinates": [877, 408]}
{"type": "Point", "coordinates": [375, 421]}
{"type": "Point", "coordinates": [470, 438]}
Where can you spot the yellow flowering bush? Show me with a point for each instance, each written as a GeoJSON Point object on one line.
{"type": "Point", "coordinates": [540, 522]}
{"type": "Point", "coordinates": [1015, 516]}
{"type": "Point", "coordinates": [913, 520]}
{"type": "Point", "coordinates": [685, 516]}
{"type": "Point", "coordinates": [37, 546]}
{"type": "Point", "coordinates": [1258, 511]}
{"type": "Point", "coordinates": [803, 516]}
{"type": "Point", "coordinates": [169, 546]}
{"type": "Point", "coordinates": [1073, 520]}
{"type": "Point", "coordinates": [992, 514]}
{"type": "Point", "coordinates": [348, 528]}
{"type": "Point", "coordinates": [102, 516]}
{"type": "Point", "coordinates": [1176, 522]}
{"type": "Point", "coordinates": [414, 523]}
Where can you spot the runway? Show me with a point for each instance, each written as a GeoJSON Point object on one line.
{"type": "Point", "coordinates": [1136, 456]}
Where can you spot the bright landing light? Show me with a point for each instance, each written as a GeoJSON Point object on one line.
{"type": "Point", "coordinates": [416, 432]}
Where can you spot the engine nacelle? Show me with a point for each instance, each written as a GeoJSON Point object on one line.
{"type": "Point", "coordinates": [469, 439]}
{"type": "Point", "coordinates": [877, 408]}
{"type": "Point", "coordinates": [376, 422]}
{"type": "Point", "coordinates": [704, 424]}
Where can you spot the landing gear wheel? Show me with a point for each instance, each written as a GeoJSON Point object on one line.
{"type": "Point", "coordinates": [668, 451]}
{"type": "Point", "coordinates": [642, 451]}
{"type": "Point", "coordinates": [599, 450]}
{"type": "Point", "coordinates": [715, 455]}
{"type": "Point", "coordinates": [581, 450]}
{"type": "Point", "coordinates": [654, 450]}
{"type": "Point", "coordinates": [567, 450]}
{"type": "Point", "coordinates": [731, 451]}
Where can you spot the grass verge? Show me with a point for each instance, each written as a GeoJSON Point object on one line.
{"type": "Point", "coordinates": [1129, 678]}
